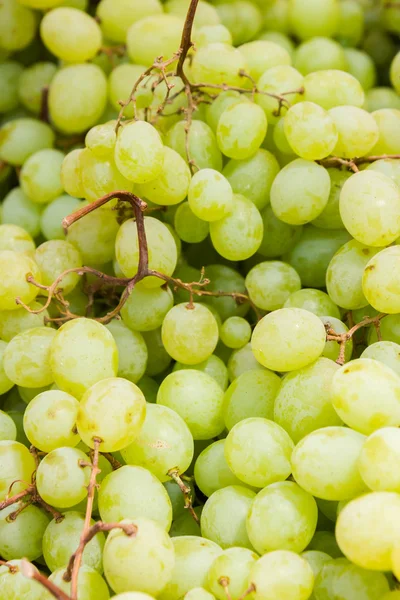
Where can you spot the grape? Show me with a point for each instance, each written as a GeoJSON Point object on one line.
{"type": "Point", "coordinates": [280, 39]}
{"type": "Point", "coordinates": [386, 352]}
{"type": "Point", "coordinates": [133, 596]}
{"type": "Point", "coordinates": [330, 217]}
{"type": "Point", "coordinates": [53, 214]}
{"type": "Point", "coordinates": [14, 585]}
{"type": "Point", "coordinates": [395, 72]}
{"type": "Point", "coordinates": [91, 585]}
{"type": "Point", "coordinates": [202, 145]}
{"type": "Point", "coordinates": [49, 420]}
{"type": "Point", "coordinates": [225, 278]}
{"type": "Point", "coordinates": [216, 518]}
{"type": "Point", "coordinates": [278, 80]}
{"type": "Point", "coordinates": [17, 209]}
{"type": "Point", "coordinates": [198, 593]}
{"type": "Point", "coordinates": [235, 332]}
{"type": "Point", "coordinates": [218, 64]}
{"type": "Point", "coordinates": [197, 398]}
{"type": "Point", "coordinates": [243, 19]}
{"type": "Point", "coordinates": [55, 257]}
{"type": "Point", "coordinates": [282, 574]}
{"type": "Point", "coordinates": [341, 577]}
{"type": "Point", "coordinates": [233, 566]}
{"type": "Point", "coordinates": [185, 525]}
{"type": "Point", "coordinates": [40, 176]}
{"type": "Point", "coordinates": [13, 237]}
{"type": "Point", "coordinates": [193, 559]}
{"type": "Point", "coordinates": [83, 352]}
{"type": "Point", "coordinates": [310, 131]}
{"type": "Point", "coordinates": [177, 498]}
{"type": "Point", "coordinates": [26, 359]}
{"type": "Point", "coordinates": [139, 153]}
{"type": "Point", "coordinates": [211, 34]}
{"type": "Point", "coordinates": [158, 359]}
{"type": "Point", "coordinates": [188, 226]}
{"type": "Point", "coordinates": [282, 517]}
{"type": "Point", "coordinates": [379, 281]}
{"type": "Point", "coordinates": [8, 430]}
{"type": "Point", "coordinates": [223, 100]}
{"type": "Point", "coordinates": [61, 539]}
{"type": "Point", "coordinates": [145, 308]}
{"type": "Point", "coordinates": [17, 465]}
{"type": "Point", "coordinates": [77, 98]}
{"type": "Point", "coordinates": [85, 234]}
{"type": "Point", "coordinates": [367, 528]}
{"type": "Point", "coordinates": [357, 129]}
{"type": "Point", "coordinates": [351, 23]}
{"type": "Point", "coordinates": [10, 73]}
{"type": "Point", "coordinates": [389, 328]}
{"type": "Point", "coordinates": [258, 451]}
{"type": "Point", "coordinates": [389, 167]}
{"type": "Point", "coordinates": [117, 16]}
{"type": "Point", "coordinates": [205, 14]}
{"type": "Point", "coordinates": [309, 18]}
{"type": "Point", "coordinates": [149, 388]}
{"type": "Point", "coordinates": [261, 55]}
{"type": "Point", "coordinates": [279, 237]}
{"type": "Point", "coordinates": [18, 26]}
{"type": "Point", "coordinates": [31, 83]}
{"type": "Point", "coordinates": [332, 348]}
{"type": "Point", "coordinates": [22, 537]}
{"type": "Point", "coordinates": [210, 195]}
{"type": "Point", "coordinates": [300, 192]}
{"type": "Point", "coordinates": [271, 283]}
{"type": "Point", "coordinates": [319, 54]}
{"type": "Point", "coordinates": [366, 395]}
{"type": "Point", "coordinates": [315, 301]}
{"type": "Point", "coordinates": [379, 98]}
{"type": "Point", "coordinates": [362, 67]}
{"type": "Point", "coordinates": [276, 16]}
{"type": "Point", "coordinates": [288, 339]}
{"type": "Point", "coordinates": [378, 459]}
{"type": "Point", "coordinates": [316, 559]}
{"type": "Point", "coordinates": [332, 87]}
{"type": "Point", "coordinates": [211, 470]}
{"type": "Point", "coordinates": [388, 121]}
{"type": "Point", "coordinates": [21, 138]}
{"type": "Point", "coordinates": [153, 36]}
{"type": "Point", "coordinates": [171, 187]}
{"type": "Point", "coordinates": [163, 443]}
{"type": "Point", "coordinates": [100, 176]}
{"type": "Point", "coordinates": [132, 351]}
{"type": "Point", "coordinates": [120, 86]}
{"type": "Point", "coordinates": [71, 176]}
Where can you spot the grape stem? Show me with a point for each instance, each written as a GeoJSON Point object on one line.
{"type": "Point", "coordinates": [113, 461]}
{"type": "Point", "coordinates": [343, 338]}
{"type": "Point", "coordinates": [224, 582]}
{"type": "Point", "coordinates": [186, 491]}
{"type": "Point", "coordinates": [250, 590]}
{"type": "Point", "coordinates": [11, 568]}
{"type": "Point", "coordinates": [352, 164]}
{"type": "Point", "coordinates": [29, 570]}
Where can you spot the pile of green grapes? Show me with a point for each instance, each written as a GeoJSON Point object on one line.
{"type": "Point", "coordinates": [200, 299]}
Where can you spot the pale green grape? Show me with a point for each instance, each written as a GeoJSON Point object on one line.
{"type": "Point", "coordinates": [193, 559]}
{"type": "Point", "coordinates": [234, 566]}
{"type": "Point", "coordinates": [351, 23]}
{"type": "Point", "coordinates": [389, 167]}
{"type": "Point", "coordinates": [28, 394]}
{"type": "Point", "coordinates": [318, 54]}
{"type": "Point", "coordinates": [13, 237]}
{"type": "Point", "coordinates": [158, 359]}
{"type": "Point", "coordinates": [279, 80]}
{"type": "Point", "coordinates": [198, 593]}
{"type": "Point", "coordinates": [216, 518]}
{"type": "Point", "coordinates": [225, 278]}
{"type": "Point", "coordinates": [112, 410]}
{"type": "Point", "coordinates": [17, 26]}
{"type": "Point", "coordinates": [21, 138]}
{"type": "Point", "coordinates": [153, 36]}
{"type": "Point", "coordinates": [330, 217]}
{"type": "Point", "coordinates": [17, 209]}
{"type": "Point", "coordinates": [288, 339]}
{"type": "Point", "coordinates": [341, 578]}
{"type": "Point", "coordinates": [61, 539]}
{"type": "Point", "coordinates": [279, 237]}
{"type": "Point", "coordinates": [332, 348]}
{"type": "Point", "coordinates": [395, 72]}
{"type": "Point", "coordinates": [332, 87]}
{"type": "Point", "coordinates": [31, 83]}
{"type": "Point", "coordinates": [300, 192]}
{"type": "Point", "coordinates": [205, 14]}
{"type": "Point", "coordinates": [26, 359]}
{"type": "Point", "coordinates": [370, 208]}
{"type": "Point", "coordinates": [389, 327]}
{"type": "Point", "coordinates": [357, 130]}
{"type": "Point", "coordinates": [116, 16]}
{"type": "Point", "coordinates": [77, 98]}
{"type": "Point", "coordinates": [279, 38]}
{"type": "Point", "coordinates": [212, 34]}
{"type": "Point", "coordinates": [139, 153]}
{"type": "Point", "coordinates": [83, 352]}
{"type": "Point", "coordinates": [101, 139]}
{"type": "Point", "coordinates": [380, 282]}
{"type": "Point", "coordinates": [276, 15]}
{"type": "Point", "coordinates": [188, 226]}
{"type": "Point", "coordinates": [71, 177]}
{"type": "Point", "coordinates": [235, 332]}
{"type": "Point", "coordinates": [149, 388]}
{"type": "Point", "coordinates": [49, 420]}
{"type": "Point", "coordinates": [16, 465]}
{"type": "Point", "coordinates": [220, 104]}
{"type": "Point", "coordinates": [40, 176]}
{"type": "Point", "coordinates": [310, 131]}
{"type": "Point", "coordinates": [99, 176]}
{"type": "Point", "coordinates": [14, 585]}
{"type": "Point", "coordinates": [145, 308]}
{"type": "Point", "coordinates": [91, 585]}
{"type": "Point", "coordinates": [310, 18]}
{"type": "Point", "coordinates": [281, 142]}
{"type": "Point", "coordinates": [8, 430]}
{"type": "Point", "coordinates": [164, 443]}
{"type": "Point", "coordinates": [85, 234]}
{"type": "Point", "coordinates": [379, 457]}
{"type": "Point", "coordinates": [190, 333]}
{"type": "Point", "coordinates": [210, 195]}
{"type": "Point", "coordinates": [271, 283]}
{"type": "Point", "coordinates": [5, 382]}
{"type": "Point", "coordinates": [238, 236]}
{"type": "Point", "coordinates": [202, 145]}
{"type": "Point", "coordinates": [282, 574]}
{"type": "Point", "coordinates": [211, 470]}
{"type": "Point", "coordinates": [253, 176]}
{"type": "Point", "coordinates": [218, 64]}
{"type": "Point", "coordinates": [10, 73]}
{"type": "Point", "coordinates": [185, 525]}
{"type": "Point", "coordinates": [22, 537]}
{"type": "Point", "coordinates": [242, 17]}
{"type": "Point", "coordinates": [133, 596]}
{"type": "Point", "coordinates": [316, 559]}
{"type": "Point", "coordinates": [55, 257]}
{"type": "Point", "coordinates": [54, 213]}
{"type": "Point", "coordinates": [368, 527]}
{"type": "Point", "coordinates": [213, 366]}
{"type": "Point", "coordinates": [132, 351]}
{"type": "Point", "coordinates": [388, 121]}
{"type": "Point", "coordinates": [315, 301]}
{"type": "Point", "coordinates": [282, 517]}
{"type": "Point", "coordinates": [258, 452]}
{"type": "Point", "coordinates": [172, 185]}
{"type": "Point", "coordinates": [362, 67]}
{"type": "Point", "coordinates": [379, 98]}
{"type": "Point", "coordinates": [262, 55]}
{"type": "Point", "coordinates": [386, 352]}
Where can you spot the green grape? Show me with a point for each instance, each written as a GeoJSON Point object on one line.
{"type": "Point", "coordinates": [158, 358]}
{"type": "Point", "coordinates": [330, 217]}
{"type": "Point", "coordinates": [258, 452]}
{"type": "Point", "coordinates": [218, 64]}
{"type": "Point", "coordinates": [253, 177]}
{"type": "Point", "coordinates": [235, 332]}
{"type": "Point", "coordinates": [10, 73]}
{"type": "Point", "coordinates": [14, 585]}
{"type": "Point", "coordinates": [185, 525]}
{"type": "Point", "coordinates": [149, 388]}
{"type": "Point", "coordinates": [71, 177]}
{"type": "Point", "coordinates": [242, 360]}
{"type": "Point", "coordinates": [85, 234]}
{"type": "Point", "coordinates": [139, 153]}
{"type": "Point", "coordinates": [367, 529]}
{"type": "Point", "coordinates": [172, 185]}
{"type": "Point", "coordinates": [389, 327]}
{"type": "Point", "coordinates": [282, 79]}
{"type": "Point", "coordinates": [153, 36]}
{"type": "Point", "coordinates": [101, 139]}
{"type": "Point", "coordinates": [96, 413]}
{"type": "Point", "coordinates": [83, 352]}
{"type": "Point", "coordinates": [100, 176]}
{"type": "Point", "coordinates": [77, 98]}
{"type": "Point", "coordinates": [271, 283]}
{"type": "Point", "coordinates": [386, 352]}
{"type": "Point", "coordinates": [177, 498]}
{"type": "Point", "coordinates": [379, 98]}
{"type": "Point", "coordinates": [357, 130]}
{"type": "Point", "coordinates": [261, 55]}
{"type": "Point", "coordinates": [310, 18]}
{"type": "Point", "coordinates": [288, 339]}
{"type": "Point", "coordinates": [133, 596]}
{"type": "Point", "coordinates": [332, 87]}
{"type": "Point", "coordinates": [378, 458]}
{"type": "Point", "coordinates": [41, 4]}
{"type": "Point", "coordinates": [379, 282]}
{"type": "Point", "coordinates": [315, 301]}
{"type": "Point", "coordinates": [316, 559]}
{"type": "Point", "coordinates": [233, 566]}
{"type": "Point", "coordinates": [388, 121]}
{"type": "Point", "coordinates": [332, 348]}
{"type": "Point", "coordinates": [276, 16]}
{"type": "Point", "coordinates": [22, 537]}
{"type": "Point", "coordinates": [282, 517]}
{"type": "Point", "coordinates": [28, 394]}
{"type": "Point", "coordinates": [362, 67]}
{"type": "Point", "coordinates": [310, 131]}
{"type": "Point", "coordinates": [40, 176]}
{"type": "Point", "coordinates": [17, 26]}
{"type": "Point", "coordinates": [205, 14]}
{"type": "Point", "coordinates": [188, 226]}
{"type": "Point", "coordinates": [238, 236]}
{"type": "Point", "coordinates": [55, 257]}
{"type": "Point", "coordinates": [319, 54]}
{"type": "Point", "coordinates": [116, 16]}
{"type": "Point", "coordinates": [163, 443]}
{"type": "Point", "coordinates": [193, 559]}
{"type": "Point", "coordinates": [91, 585]}
{"type": "Point", "coordinates": [212, 34]}
{"type": "Point", "coordinates": [279, 237]}
{"type": "Point", "coordinates": [211, 471]}
{"type": "Point", "coordinates": [61, 539]}
{"type": "Point", "coordinates": [300, 192]}
{"type": "Point", "coordinates": [26, 359]}
{"type": "Point", "coordinates": [8, 430]}
{"type": "Point", "coordinates": [216, 518]}
{"type": "Point", "coordinates": [225, 278]}
{"type": "Point", "coordinates": [220, 104]}
{"type": "Point", "coordinates": [18, 209]}
{"type": "Point", "coordinates": [202, 145]}
{"type": "Point", "coordinates": [351, 23]}
{"type": "Point", "coordinates": [241, 130]}
{"type": "Point", "coordinates": [31, 83]}
{"type": "Point", "coordinates": [49, 420]}
{"type": "Point", "coordinates": [13, 237]}
{"type": "Point", "coordinates": [395, 72]}
{"type": "Point", "coordinates": [22, 137]}
{"type": "Point", "coordinates": [210, 195]}
{"type": "Point", "coordinates": [190, 333]}
{"type": "Point", "coordinates": [198, 593]}
{"type": "Point", "coordinates": [52, 216]}
{"type": "Point", "coordinates": [132, 351]}
{"type": "Point", "coordinates": [279, 38]}
{"type": "Point", "coordinates": [340, 577]}
{"type": "Point", "coordinates": [325, 463]}
{"type": "Point", "coordinates": [17, 467]}
{"type": "Point", "coordinates": [280, 140]}
{"type": "Point", "coordinates": [389, 167]}
{"type": "Point", "coordinates": [145, 308]}
{"type": "Point", "coordinates": [282, 574]}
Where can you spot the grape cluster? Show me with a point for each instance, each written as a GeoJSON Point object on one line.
{"type": "Point", "coordinates": [199, 299]}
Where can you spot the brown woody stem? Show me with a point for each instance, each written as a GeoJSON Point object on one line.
{"type": "Point", "coordinates": [31, 572]}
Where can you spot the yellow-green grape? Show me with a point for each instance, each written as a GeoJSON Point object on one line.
{"type": "Point", "coordinates": [99, 404]}
{"type": "Point", "coordinates": [325, 463]}
{"type": "Point", "coordinates": [300, 192]}
{"type": "Point", "coordinates": [357, 131]}
{"type": "Point", "coordinates": [261, 55]}
{"type": "Point", "coordinates": [315, 301]}
{"type": "Point", "coordinates": [53, 258]}
{"type": "Point", "coordinates": [310, 131]}
{"type": "Point", "coordinates": [389, 327]}
{"type": "Point", "coordinates": [386, 352]}
{"type": "Point", "coordinates": [388, 121]}
{"type": "Point", "coordinates": [282, 574]}
{"type": "Point", "coordinates": [188, 226]}
{"type": "Point", "coordinates": [77, 98]}
{"type": "Point", "coordinates": [83, 352]}
{"type": "Point", "coordinates": [134, 492]}
{"type": "Point", "coordinates": [17, 209]}
{"type": "Point", "coordinates": [61, 539]}
{"type": "Point", "coordinates": [22, 137]}
{"type": "Point", "coordinates": [197, 398]}
{"type": "Point", "coordinates": [279, 38]}
{"type": "Point", "coordinates": [120, 85]}
{"type": "Point", "coordinates": [343, 577]}
{"type": "Point", "coordinates": [158, 359]}
{"type": "Point", "coordinates": [71, 177]}
{"type": "Point", "coordinates": [316, 559]}
{"type": "Point", "coordinates": [15, 238]}
{"type": "Point", "coordinates": [31, 83]}
{"type": "Point", "coordinates": [202, 145]}
{"type": "Point", "coordinates": [235, 332]}
{"type": "Point", "coordinates": [101, 139]}
{"type": "Point", "coordinates": [280, 140]}
{"type": "Point", "coordinates": [5, 382]}
{"type": "Point", "coordinates": [282, 517]}
{"type": "Point", "coordinates": [288, 339]}
{"type": "Point", "coordinates": [225, 278]}
{"type": "Point", "coordinates": [370, 208]}
{"type": "Point", "coordinates": [218, 64]}
{"type": "Point", "coordinates": [258, 452]}
{"type": "Point", "coordinates": [26, 359]}
{"type": "Point", "coordinates": [212, 34]}
{"type": "Point", "coordinates": [213, 366]}
{"type": "Point", "coordinates": [279, 237]}
{"type": "Point", "coordinates": [318, 54]}
{"type": "Point", "coordinates": [116, 16]}
{"type": "Point", "coordinates": [221, 103]}
{"type": "Point", "coordinates": [271, 283]}
{"type": "Point", "coordinates": [362, 67]}
{"type": "Point", "coordinates": [135, 596]}
{"type": "Point", "coordinates": [52, 216]}
{"type": "Point", "coordinates": [198, 593]}
{"type": "Point", "coordinates": [40, 176]}
{"type": "Point", "coordinates": [8, 430]}
{"type": "Point", "coordinates": [379, 98]}
{"type": "Point", "coordinates": [330, 217]}
{"type": "Point", "coordinates": [253, 176]}
{"type": "Point", "coordinates": [380, 282]}
{"type": "Point", "coordinates": [101, 224]}
{"type": "Point", "coordinates": [367, 529]}
{"type": "Point", "coordinates": [17, 26]}
{"type": "Point", "coordinates": [91, 584]}
{"type": "Point", "coordinates": [378, 459]}
{"type": "Point", "coordinates": [153, 36]}
{"type": "Point", "coordinates": [387, 166]}
{"type": "Point", "coordinates": [238, 236]}
{"type": "Point", "coordinates": [49, 420]}
{"type": "Point", "coordinates": [351, 23]}
{"type": "Point", "coordinates": [28, 394]}
{"type": "Point", "coordinates": [62, 477]}
{"type": "Point", "coordinates": [139, 152]}
{"type": "Point", "coordinates": [100, 176]}
{"type": "Point", "coordinates": [143, 562]}
{"type": "Point", "coordinates": [17, 466]}
{"type": "Point", "coordinates": [14, 585]}
{"type": "Point", "coordinates": [22, 537]}
{"type": "Point", "coordinates": [13, 322]}
{"type": "Point", "coordinates": [149, 388]}
{"type": "Point", "coordinates": [332, 348]}
{"type": "Point", "coordinates": [325, 541]}
{"type": "Point", "coordinates": [205, 14]}
{"type": "Point", "coordinates": [193, 559]}
{"type": "Point", "coordinates": [211, 470]}
{"type": "Point", "coordinates": [234, 566]}
{"type": "Point", "coordinates": [332, 87]}
{"type": "Point", "coordinates": [303, 403]}
{"type": "Point", "coordinates": [41, 4]}
{"type": "Point", "coordinates": [210, 195]}
{"type": "Point", "coordinates": [172, 185]}
{"type": "Point", "coordinates": [132, 351]}
{"type": "Point", "coordinates": [241, 130]}
{"type": "Point", "coordinates": [276, 16]}
{"type": "Point", "coordinates": [310, 18]}
{"type": "Point", "coordinates": [145, 308]}
{"type": "Point", "coordinates": [10, 73]}
{"type": "Point", "coordinates": [279, 80]}
{"type": "Point", "coordinates": [395, 72]}
{"type": "Point", "coordinates": [216, 521]}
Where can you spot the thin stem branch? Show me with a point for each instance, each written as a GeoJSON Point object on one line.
{"type": "Point", "coordinates": [343, 338]}
{"type": "Point", "coordinates": [113, 461]}
{"type": "Point", "coordinates": [186, 491]}
{"type": "Point", "coordinates": [30, 571]}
